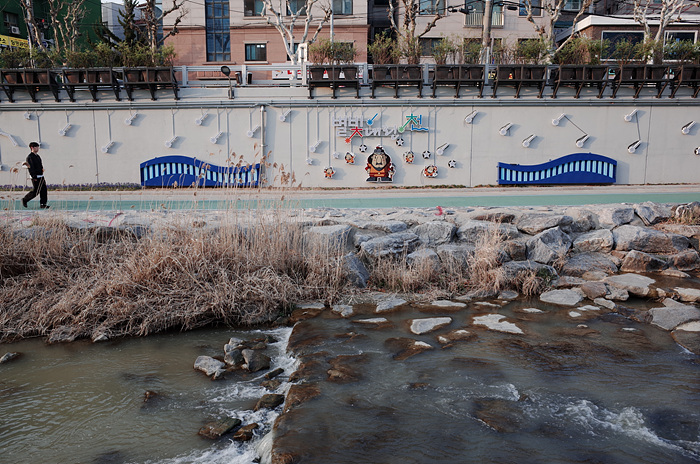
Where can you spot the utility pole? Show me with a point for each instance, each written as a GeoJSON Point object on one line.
{"type": "Point", "coordinates": [486, 33]}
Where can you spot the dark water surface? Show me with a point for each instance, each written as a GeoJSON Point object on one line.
{"type": "Point", "coordinates": [612, 392]}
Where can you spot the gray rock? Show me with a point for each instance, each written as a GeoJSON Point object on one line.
{"type": "Point", "coordinates": [617, 294]}
{"type": "Point", "coordinates": [688, 212]}
{"type": "Point", "coordinates": [361, 236]}
{"type": "Point", "coordinates": [343, 310]}
{"type": "Point", "coordinates": [475, 231]}
{"type": "Point", "coordinates": [688, 260]}
{"type": "Point", "coordinates": [562, 297]}
{"type": "Point", "coordinates": [635, 284]}
{"type": "Point", "coordinates": [583, 219]}
{"type": "Point", "coordinates": [356, 271]}
{"type": "Point", "coordinates": [580, 264]}
{"type": "Point", "coordinates": [211, 367]}
{"type": "Point", "coordinates": [512, 269]}
{"type": "Point", "coordinates": [691, 295]}
{"type": "Point", "coordinates": [689, 231]}
{"type": "Point", "coordinates": [389, 304]}
{"type": "Point", "coordinates": [390, 226]}
{"type": "Point", "coordinates": [391, 245]}
{"type": "Point", "coordinates": [637, 261]}
{"type": "Point", "coordinates": [648, 240]}
{"type": "Point", "coordinates": [610, 217]}
{"type": "Point", "coordinates": [234, 357]}
{"type": "Point", "coordinates": [217, 429]}
{"type": "Point", "coordinates": [673, 314]}
{"type": "Point", "coordinates": [7, 357]}
{"type": "Point", "coordinates": [61, 334]}
{"type": "Point", "coordinates": [421, 326]}
{"type": "Point", "coordinates": [255, 360]}
{"type": "Point", "coordinates": [533, 224]}
{"type": "Point", "coordinates": [234, 343]}
{"type": "Point", "coordinates": [336, 235]}
{"type": "Point", "coordinates": [269, 401]}
{"type": "Point", "coordinates": [508, 295]}
{"type": "Point", "coordinates": [604, 303]}
{"type": "Point", "coordinates": [424, 256]}
{"type": "Point", "coordinates": [447, 305]}
{"type": "Point", "coordinates": [652, 213]}
{"type": "Point", "coordinates": [453, 254]}
{"type": "Point", "coordinates": [516, 249]}
{"type": "Point", "coordinates": [594, 290]}
{"type": "Point", "coordinates": [548, 246]}
{"type": "Point", "coordinates": [435, 233]}
{"type": "Point", "coordinates": [598, 240]}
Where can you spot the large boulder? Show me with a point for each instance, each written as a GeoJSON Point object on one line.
{"type": "Point", "coordinates": [455, 254]}
{"type": "Point", "coordinates": [635, 284]}
{"type": "Point", "coordinates": [610, 217]}
{"type": "Point", "coordinates": [583, 219]}
{"type": "Point", "coordinates": [597, 240]}
{"type": "Point", "coordinates": [435, 233]}
{"type": "Point", "coordinates": [533, 224]}
{"type": "Point", "coordinates": [630, 237]}
{"type": "Point", "coordinates": [652, 213]}
{"type": "Point", "coordinates": [637, 261]}
{"type": "Point", "coordinates": [581, 263]}
{"type": "Point", "coordinates": [513, 269]}
{"type": "Point", "coordinates": [355, 270]}
{"type": "Point", "coordinates": [336, 235]}
{"type": "Point", "coordinates": [568, 297]}
{"type": "Point", "coordinates": [255, 360]}
{"type": "Point", "coordinates": [217, 429]}
{"type": "Point", "coordinates": [690, 231]}
{"type": "Point", "coordinates": [391, 245]}
{"type": "Point", "coordinates": [689, 212]}
{"type": "Point", "coordinates": [269, 401]}
{"type": "Point", "coordinates": [424, 257]}
{"type": "Point", "coordinates": [548, 246]}
{"type": "Point", "coordinates": [688, 294]}
{"type": "Point", "coordinates": [476, 231]}
{"type": "Point", "coordinates": [211, 367]}
{"type": "Point", "coordinates": [390, 226]}
{"type": "Point", "coordinates": [688, 260]}
{"type": "Point", "coordinates": [673, 314]}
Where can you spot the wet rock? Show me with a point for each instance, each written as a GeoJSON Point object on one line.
{"type": "Point", "coordinates": [617, 294]}
{"type": "Point", "coordinates": [567, 281]}
{"type": "Point", "coordinates": [501, 415]}
{"type": "Point", "coordinates": [495, 322]}
{"type": "Point", "coordinates": [445, 305]}
{"type": "Point", "coordinates": [355, 270]}
{"type": "Point", "coordinates": [533, 224]}
{"type": "Point", "coordinates": [211, 367]}
{"type": "Point", "coordinates": [688, 336]}
{"type": "Point", "coordinates": [404, 348]}
{"type": "Point", "coordinates": [309, 370]}
{"type": "Point", "coordinates": [594, 290]}
{"type": "Point", "coordinates": [346, 368]}
{"type": "Point", "coordinates": [343, 310]}
{"type": "Point", "coordinates": [508, 295]}
{"type": "Point", "coordinates": [149, 396]}
{"type": "Point", "coordinates": [234, 358]}
{"type": "Point", "coordinates": [548, 246]}
{"type": "Point", "coordinates": [99, 336]}
{"type": "Point", "coordinates": [610, 217]}
{"type": "Point", "coordinates": [513, 269]}
{"type": "Point", "coordinates": [299, 394]}
{"type": "Point", "coordinates": [304, 338]}
{"type": "Point", "coordinates": [635, 284]}
{"type": "Point", "coordinates": [562, 297]}
{"type": "Point", "coordinates": [472, 231]}
{"type": "Point", "coordinates": [630, 237]}
{"type": "Point", "coordinates": [582, 263]}
{"type": "Point", "coordinates": [61, 334]}
{"type": "Point", "coordinates": [673, 314]}
{"type": "Point", "coordinates": [688, 260]}
{"type": "Point", "coordinates": [675, 273]}
{"type": "Point", "coordinates": [11, 356]}
{"type": "Point", "coordinates": [424, 257]}
{"type": "Point", "coordinates": [600, 240]}
{"type": "Point", "coordinates": [217, 429]}
{"type": "Point", "coordinates": [435, 233]}
{"type": "Point", "coordinates": [269, 401]}
{"type": "Point", "coordinates": [255, 360]}
{"type": "Point", "coordinates": [245, 433]}
{"type": "Point", "coordinates": [270, 385]}
{"type": "Point", "coordinates": [690, 295]}
{"type": "Point", "coordinates": [391, 245]}
{"type": "Point", "coordinates": [375, 322]}
{"type": "Point", "coordinates": [422, 326]}
{"type": "Point", "coordinates": [604, 303]}
{"type": "Point", "coordinates": [272, 374]}
{"type": "Point", "coordinates": [456, 335]}
{"type": "Point", "coordinates": [307, 311]}
{"type": "Point", "coordinates": [389, 304]}
{"type": "Point", "coordinates": [637, 261]}
{"type": "Point", "coordinates": [652, 213]}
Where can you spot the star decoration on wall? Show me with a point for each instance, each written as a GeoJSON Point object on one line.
{"type": "Point", "coordinates": [452, 164]}
{"type": "Point", "coordinates": [363, 148]}
{"type": "Point", "coordinates": [426, 154]}
{"type": "Point", "coordinates": [399, 141]}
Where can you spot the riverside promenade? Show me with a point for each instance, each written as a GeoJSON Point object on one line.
{"type": "Point", "coordinates": [224, 199]}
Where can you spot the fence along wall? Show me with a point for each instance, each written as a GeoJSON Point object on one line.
{"type": "Point", "coordinates": [86, 143]}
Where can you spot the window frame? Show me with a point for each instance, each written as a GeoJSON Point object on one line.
{"type": "Point", "coordinates": [262, 45]}
{"type": "Point", "coordinates": [343, 10]}
{"type": "Point", "coordinates": [217, 20]}
{"type": "Point", "coordinates": [253, 13]}
{"type": "Point", "coordinates": [536, 9]}
{"type": "Point", "coordinates": [611, 50]}
{"type": "Point", "coordinates": [435, 7]}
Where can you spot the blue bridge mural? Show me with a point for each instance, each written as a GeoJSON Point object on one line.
{"type": "Point", "coordinates": [578, 168]}
{"type": "Point", "coordinates": [185, 171]}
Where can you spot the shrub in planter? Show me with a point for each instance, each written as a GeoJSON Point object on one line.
{"type": "Point", "coordinates": [683, 51]}
{"type": "Point", "coordinates": [321, 52]}
{"type": "Point", "coordinates": [383, 49]}
{"type": "Point", "coordinates": [444, 51]}
{"type": "Point", "coordinates": [14, 58]}
{"type": "Point", "coordinates": [531, 51]}
{"type": "Point", "coordinates": [471, 52]}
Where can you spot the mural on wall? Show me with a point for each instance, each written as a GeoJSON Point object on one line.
{"type": "Point", "coordinates": [379, 166]}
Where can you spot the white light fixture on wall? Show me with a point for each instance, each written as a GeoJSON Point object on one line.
{"type": "Point", "coordinates": [309, 161]}
{"type": "Point", "coordinates": [201, 119]}
{"type": "Point", "coordinates": [169, 143]}
{"type": "Point", "coordinates": [470, 117]}
{"type": "Point", "coordinates": [12, 139]}
{"type": "Point", "coordinates": [441, 149]}
{"type": "Point", "coordinates": [556, 121]}
{"type": "Point", "coordinates": [215, 139]}
{"type": "Point", "coordinates": [634, 146]}
{"type": "Point", "coordinates": [314, 147]}
{"type": "Point", "coordinates": [27, 115]}
{"type": "Point", "coordinates": [628, 117]}
{"type": "Point", "coordinates": [63, 132]}
{"type": "Point", "coordinates": [528, 140]}
{"type": "Point", "coordinates": [284, 115]}
{"type": "Point", "coordinates": [685, 130]}
{"type": "Point", "coordinates": [581, 141]}
{"type": "Point", "coordinates": [128, 121]}
{"type": "Point", "coordinates": [504, 130]}
{"type": "Point", "coordinates": [251, 133]}
{"type": "Point", "coordinates": [106, 148]}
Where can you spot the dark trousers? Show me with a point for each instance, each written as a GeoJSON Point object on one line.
{"type": "Point", "coordinates": [39, 187]}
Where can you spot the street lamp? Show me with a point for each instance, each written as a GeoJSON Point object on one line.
{"type": "Point", "coordinates": [227, 72]}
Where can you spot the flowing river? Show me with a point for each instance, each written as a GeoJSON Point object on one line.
{"type": "Point", "coordinates": [587, 387]}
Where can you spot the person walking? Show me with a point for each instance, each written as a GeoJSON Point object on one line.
{"type": "Point", "coordinates": [36, 171]}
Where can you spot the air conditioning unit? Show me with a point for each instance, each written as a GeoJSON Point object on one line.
{"type": "Point", "coordinates": [14, 29]}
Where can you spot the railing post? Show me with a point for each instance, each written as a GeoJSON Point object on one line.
{"type": "Point", "coordinates": [184, 76]}
{"type": "Point", "coordinates": [244, 74]}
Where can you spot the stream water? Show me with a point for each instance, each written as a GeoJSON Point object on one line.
{"type": "Point", "coordinates": [612, 391]}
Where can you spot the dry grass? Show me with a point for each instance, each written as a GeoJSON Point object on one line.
{"type": "Point", "coordinates": [182, 278]}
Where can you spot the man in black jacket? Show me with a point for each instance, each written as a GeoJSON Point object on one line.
{"type": "Point", "coordinates": [36, 171]}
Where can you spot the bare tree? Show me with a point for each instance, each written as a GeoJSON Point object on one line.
{"type": "Point", "coordinates": [65, 20]}
{"type": "Point", "coordinates": [666, 12]}
{"type": "Point", "coordinates": [285, 23]}
{"type": "Point", "coordinates": [153, 17]}
{"type": "Point", "coordinates": [408, 39]}
{"type": "Point", "coordinates": [551, 12]}
{"type": "Point", "coordinates": [30, 19]}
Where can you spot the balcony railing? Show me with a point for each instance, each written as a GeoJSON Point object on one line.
{"type": "Point", "coordinates": [477, 19]}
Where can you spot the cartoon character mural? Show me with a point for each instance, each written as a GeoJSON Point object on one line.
{"type": "Point", "coordinates": [379, 166]}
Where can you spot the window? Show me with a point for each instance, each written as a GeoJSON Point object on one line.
{"type": "Point", "coordinates": [381, 2]}
{"type": "Point", "coordinates": [679, 36]}
{"type": "Point", "coordinates": [536, 7]}
{"type": "Point", "coordinates": [256, 52]}
{"type": "Point", "coordinates": [342, 7]}
{"type": "Point", "coordinates": [253, 7]}
{"type": "Point", "coordinates": [621, 45]}
{"type": "Point", "coordinates": [10, 19]}
{"type": "Point", "coordinates": [572, 5]}
{"type": "Point", "coordinates": [431, 7]}
{"type": "Point", "coordinates": [294, 6]}
{"type": "Point", "coordinates": [218, 30]}
{"type": "Point", "coordinates": [427, 46]}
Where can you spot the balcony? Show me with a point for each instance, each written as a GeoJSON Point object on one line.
{"type": "Point", "coordinates": [477, 19]}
